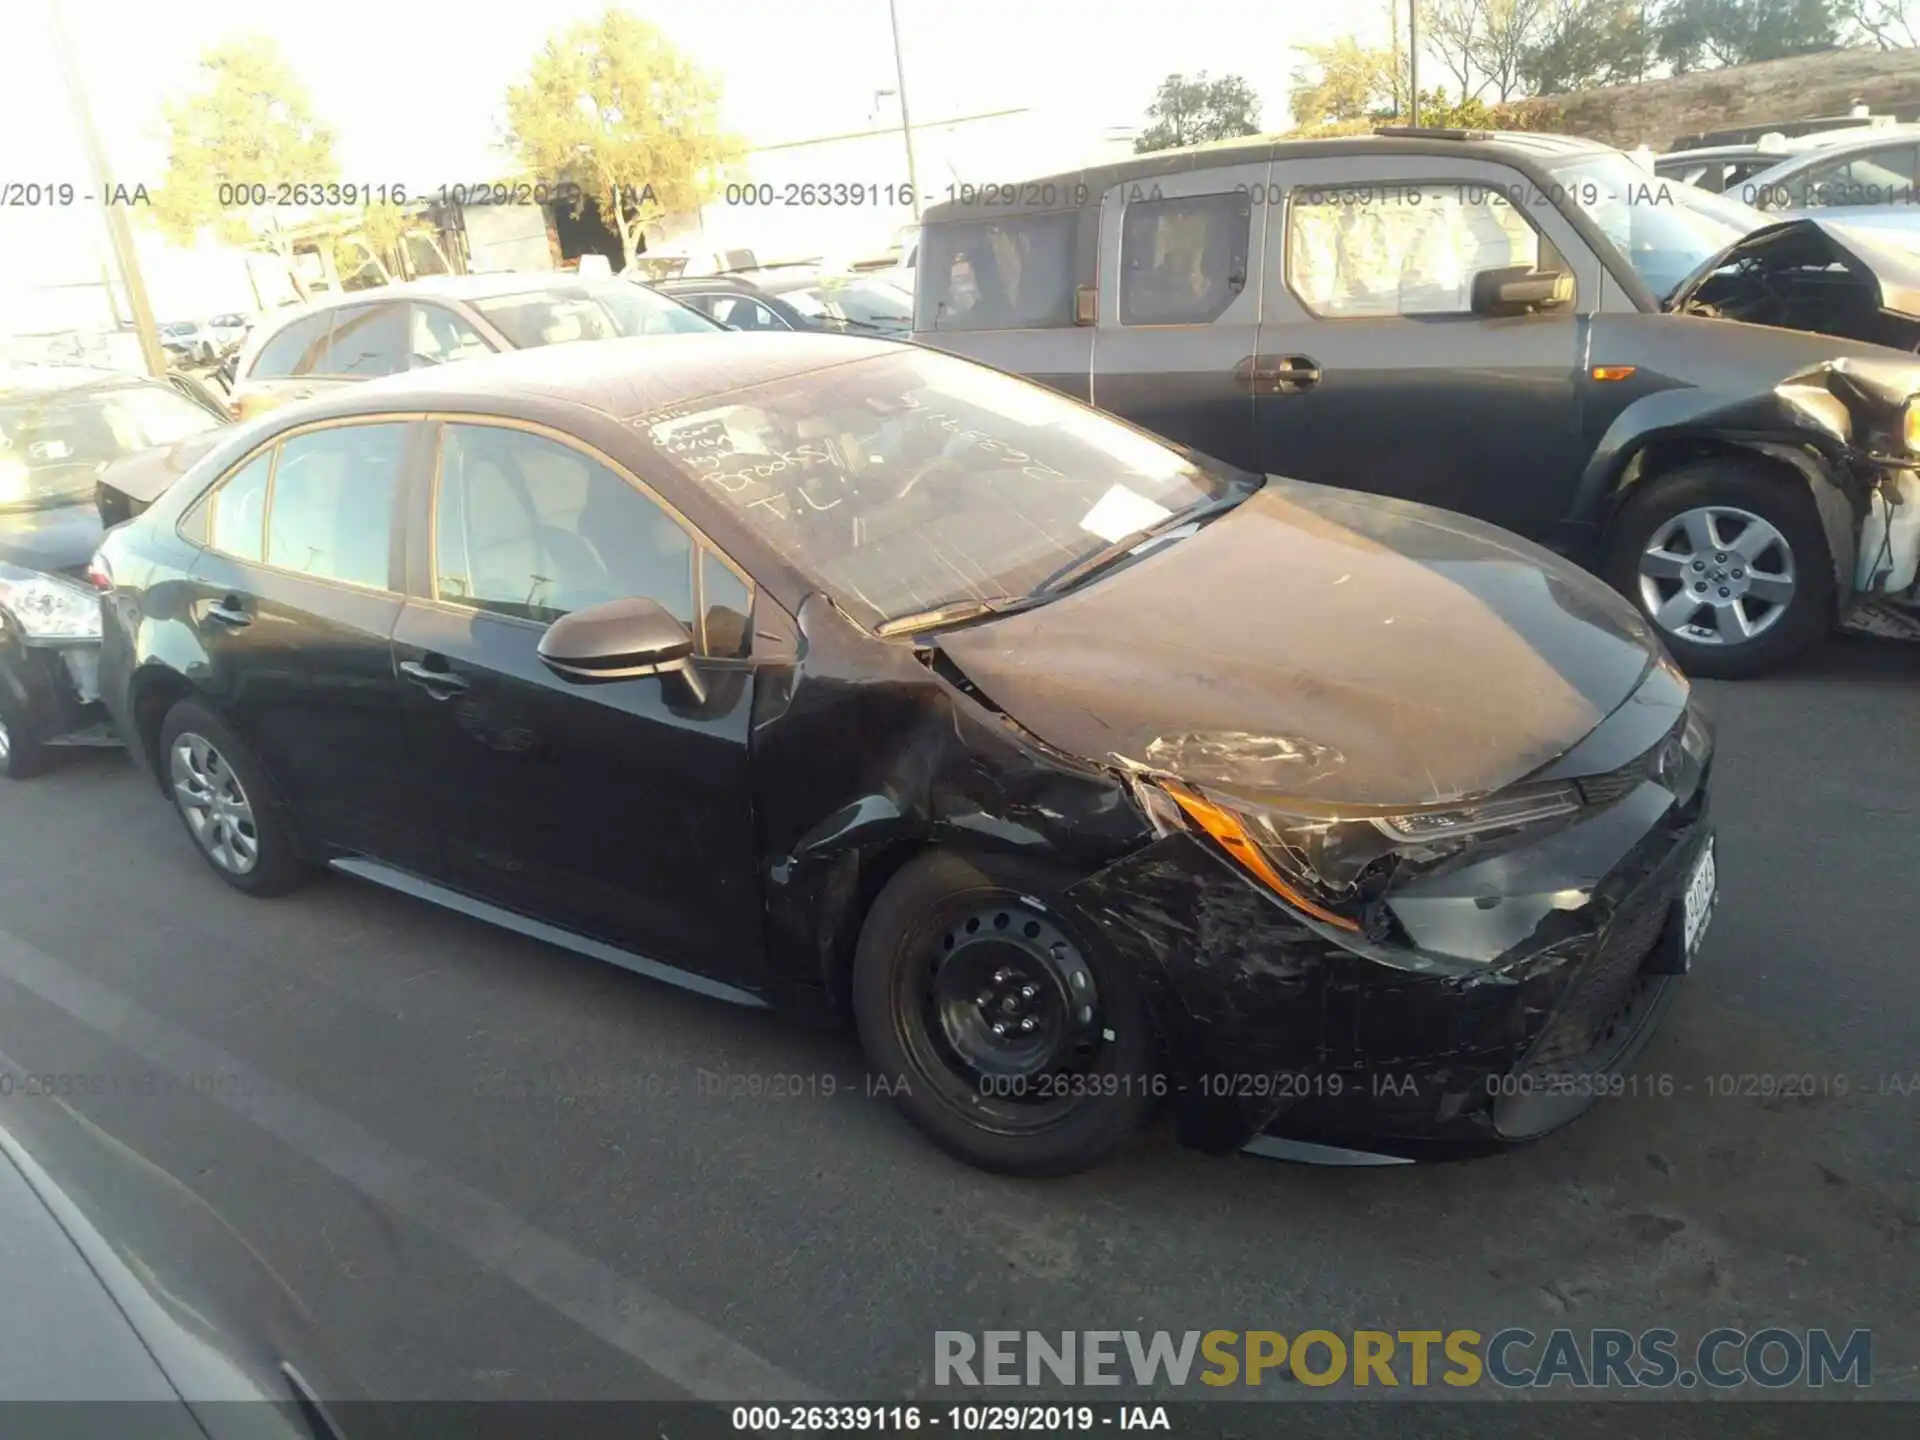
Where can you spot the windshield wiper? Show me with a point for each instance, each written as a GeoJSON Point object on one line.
{"type": "Point", "coordinates": [953, 613]}
{"type": "Point", "coordinates": [1112, 554]}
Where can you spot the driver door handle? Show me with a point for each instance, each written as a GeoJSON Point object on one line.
{"type": "Point", "coordinates": [440, 684]}
{"type": "Point", "coordinates": [230, 612]}
{"type": "Point", "coordinates": [1277, 374]}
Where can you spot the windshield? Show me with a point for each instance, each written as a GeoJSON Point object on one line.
{"type": "Point", "coordinates": [866, 304]}
{"type": "Point", "coordinates": [907, 482]}
{"type": "Point", "coordinates": [51, 445]}
{"type": "Point", "coordinates": [1664, 234]}
{"type": "Point", "coordinates": [600, 312]}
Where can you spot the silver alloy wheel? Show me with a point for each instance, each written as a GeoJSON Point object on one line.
{"type": "Point", "coordinates": [6, 742]}
{"type": "Point", "coordinates": [214, 803]}
{"type": "Point", "coordinates": [1717, 575]}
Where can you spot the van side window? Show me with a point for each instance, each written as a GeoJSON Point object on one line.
{"type": "Point", "coordinates": [1183, 260]}
{"type": "Point", "coordinates": [1013, 273]}
{"type": "Point", "coordinates": [1400, 249]}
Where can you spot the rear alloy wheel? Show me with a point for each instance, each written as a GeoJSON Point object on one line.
{"type": "Point", "coordinates": [1730, 565]}
{"type": "Point", "coordinates": [1003, 1029]}
{"type": "Point", "coordinates": [223, 798]}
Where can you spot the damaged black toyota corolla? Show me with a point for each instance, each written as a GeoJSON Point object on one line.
{"type": "Point", "coordinates": [848, 675]}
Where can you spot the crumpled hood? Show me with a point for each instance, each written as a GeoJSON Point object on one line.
{"type": "Point", "coordinates": [1886, 258]}
{"type": "Point", "coordinates": [1322, 644]}
{"type": "Point", "coordinates": [62, 537]}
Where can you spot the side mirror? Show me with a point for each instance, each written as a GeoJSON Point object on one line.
{"type": "Point", "coordinates": [1520, 290]}
{"type": "Point", "coordinates": [620, 640]}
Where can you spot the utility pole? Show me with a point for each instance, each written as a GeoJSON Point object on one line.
{"type": "Point", "coordinates": [906, 124]}
{"type": "Point", "coordinates": [118, 231]}
{"type": "Point", "coordinates": [1413, 61]}
{"type": "Point", "coordinates": [1399, 75]}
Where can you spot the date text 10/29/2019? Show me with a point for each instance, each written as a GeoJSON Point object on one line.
{"type": "Point", "coordinates": [959, 1419]}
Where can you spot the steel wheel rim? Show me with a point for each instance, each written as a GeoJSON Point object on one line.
{"type": "Point", "coordinates": [214, 804]}
{"type": "Point", "coordinates": [979, 960]}
{"type": "Point", "coordinates": [1717, 575]}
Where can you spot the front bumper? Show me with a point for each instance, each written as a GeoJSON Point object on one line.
{"type": "Point", "coordinates": [1533, 978]}
{"type": "Point", "coordinates": [53, 691]}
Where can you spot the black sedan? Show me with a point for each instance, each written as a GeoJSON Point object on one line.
{"type": "Point", "coordinates": [800, 300]}
{"type": "Point", "coordinates": [61, 428]}
{"type": "Point", "coordinates": [1079, 772]}
{"type": "Point", "coordinates": [127, 1291]}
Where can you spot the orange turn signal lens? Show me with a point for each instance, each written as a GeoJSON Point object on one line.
{"type": "Point", "coordinates": [1225, 827]}
{"type": "Point", "coordinates": [1613, 372]}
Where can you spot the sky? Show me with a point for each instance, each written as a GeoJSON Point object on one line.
{"type": "Point", "coordinates": [413, 92]}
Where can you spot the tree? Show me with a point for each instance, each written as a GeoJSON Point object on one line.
{"type": "Point", "coordinates": [1586, 43]}
{"type": "Point", "coordinates": [1484, 44]}
{"type": "Point", "coordinates": [249, 123]}
{"type": "Point", "coordinates": [1700, 34]}
{"type": "Point", "coordinates": [613, 107]}
{"type": "Point", "coordinates": [1191, 110]}
{"type": "Point", "coordinates": [1345, 83]}
{"type": "Point", "coordinates": [1890, 24]}
{"type": "Point", "coordinates": [1450, 29]}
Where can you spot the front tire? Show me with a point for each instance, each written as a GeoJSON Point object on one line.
{"type": "Point", "coordinates": [999, 1022]}
{"type": "Point", "coordinates": [221, 793]}
{"type": "Point", "coordinates": [22, 754]}
{"type": "Point", "coordinates": [1729, 563]}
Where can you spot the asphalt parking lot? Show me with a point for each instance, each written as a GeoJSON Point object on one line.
{"type": "Point", "coordinates": [495, 1170]}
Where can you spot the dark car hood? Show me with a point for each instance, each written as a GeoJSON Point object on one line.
{"type": "Point", "coordinates": [61, 538]}
{"type": "Point", "coordinates": [144, 476]}
{"type": "Point", "coordinates": [1322, 644]}
{"type": "Point", "coordinates": [1895, 268]}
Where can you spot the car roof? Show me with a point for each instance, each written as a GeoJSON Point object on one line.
{"type": "Point", "coordinates": [1719, 152]}
{"type": "Point", "coordinates": [1060, 191]}
{"type": "Point", "coordinates": [1826, 154]}
{"type": "Point", "coordinates": [618, 378]}
{"type": "Point", "coordinates": [447, 287]}
{"type": "Point", "coordinates": [686, 284]}
{"type": "Point", "coordinates": [53, 379]}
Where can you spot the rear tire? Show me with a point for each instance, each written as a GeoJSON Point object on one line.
{"type": "Point", "coordinates": [223, 797]}
{"type": "Point", "coordinates": [957, 944]}
{"type": "Point", "coordinates": [1729, 563]}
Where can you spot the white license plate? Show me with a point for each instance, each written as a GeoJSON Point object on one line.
{"type": "Point", "coordinates": [1696, 905]}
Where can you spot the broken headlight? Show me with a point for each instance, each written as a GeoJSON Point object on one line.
{"type": "Point", "coordinates": [1333, 865]}
{"type": "Point", "coordinates": [46, 607]}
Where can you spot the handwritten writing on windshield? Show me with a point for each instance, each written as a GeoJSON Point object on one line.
{"type": "Point", "coordinates": [807, 478]}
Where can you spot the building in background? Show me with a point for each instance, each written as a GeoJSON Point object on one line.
{"type": "Point", "coordinates": [842, 198]}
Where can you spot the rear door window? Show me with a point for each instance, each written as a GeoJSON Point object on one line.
{"type": "Point", "coordinates": [1184, 259]}
{"type": "Point", "coordinates": [367, 341]}
{"type": "Point", "coordinates": [1012, 273]}
{"type": "Point", "coordinates": [295, 350]}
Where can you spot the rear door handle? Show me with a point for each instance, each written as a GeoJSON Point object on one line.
{"type": "Point", "coordinates": [440, 684]}
{"type": "Point", "coordinates": [230, 612]}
